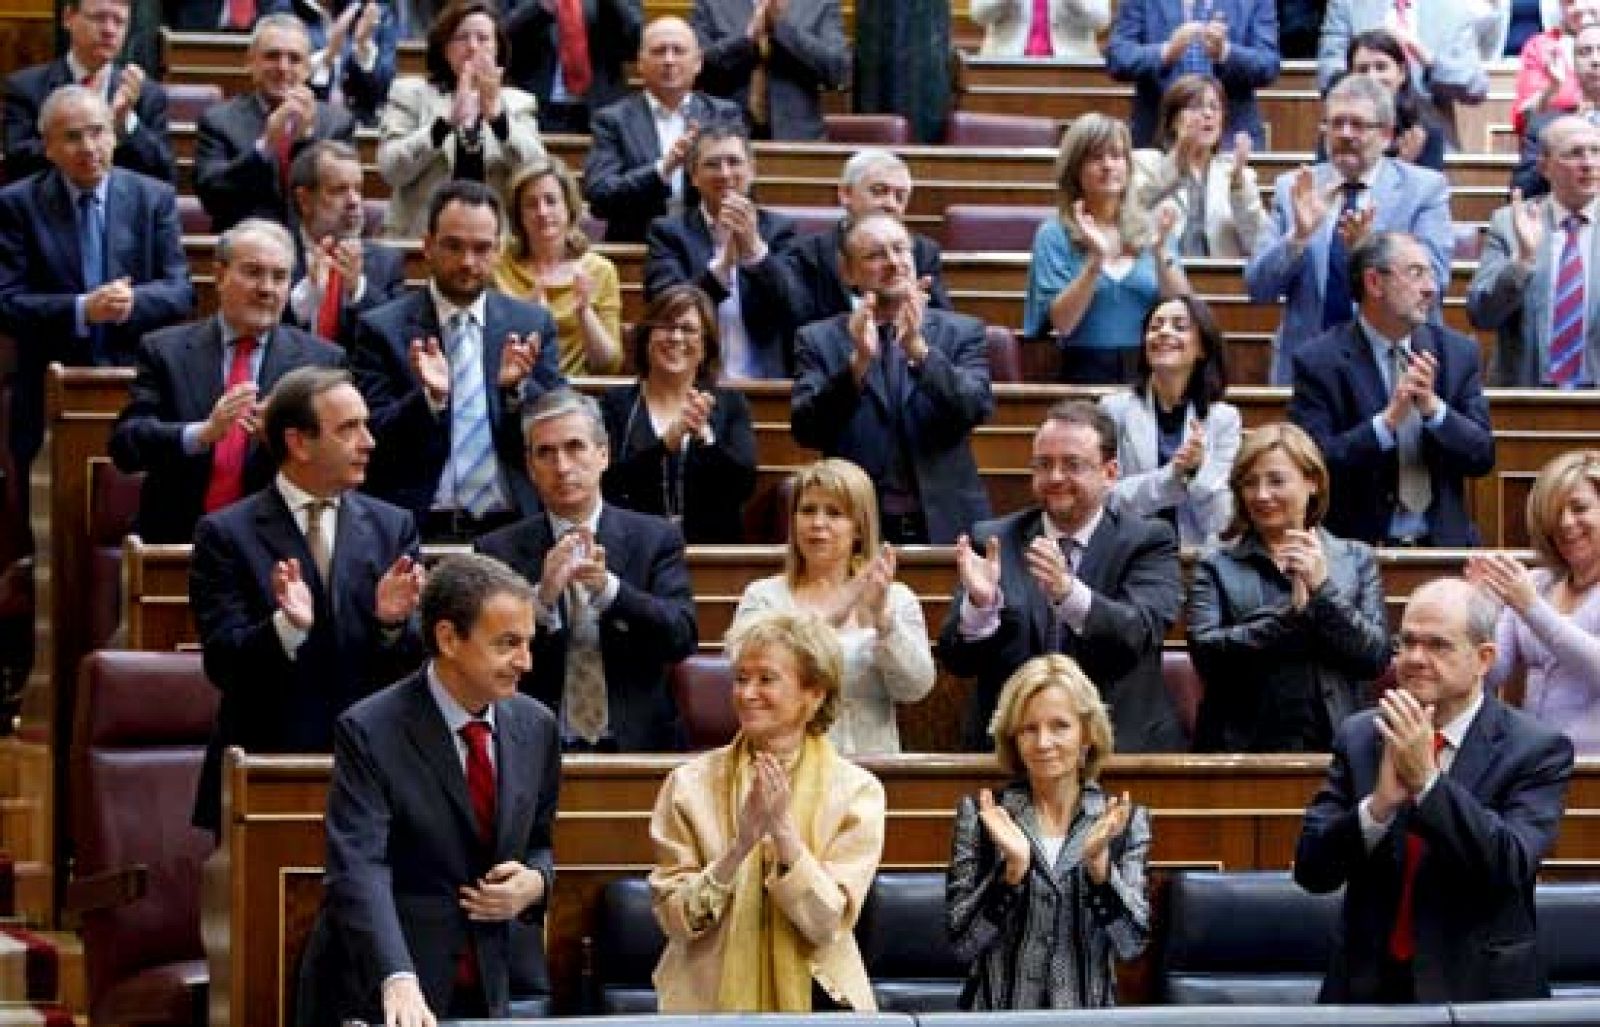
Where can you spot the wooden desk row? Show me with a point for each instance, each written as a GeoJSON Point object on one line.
{"type": "Point", "coordinates": [1212, 813]}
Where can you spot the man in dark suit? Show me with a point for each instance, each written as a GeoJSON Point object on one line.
{"type": "Point", "coordinates": [302, 592]}
{"type": "Point", "coordinates": [217, 15]}
{"type": "Point", "coordinates": [441, 364]}
{"type": "Point", "coordinates": [1074, 577]}
{"type": "Point", "coordinates": [616, 609]}
{"type": "Point", "coordinates": [91, 258]}
{"type": "Point", "coordinates": [897, 387]}
{"type": "Point", "coordinates": [96, 30]}
{"type": "Point", "coordinates": [774, 59]}
{"type": "Point", "coordinates": [331, 219]}
{"type": "Point", "coordinates": [730, 249]}
{"type": "Point", "coordinates": [246, 145]}
{"type": "Point", "coordinates": [1396, 402]}
{"type": "Point", "coordinates": [540, 54]}
{"type": "Point", "coordinates": [637, 168]}
{"type": "Point", "coordinates": [189, 425]}
{"type": "Point", "coordinates": [440, 816]}
{"type": "Point", "coordinates": [873, 181]}
{"type": "Point", "coordinates": [1437, 809]}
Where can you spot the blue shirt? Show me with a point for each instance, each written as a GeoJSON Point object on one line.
{"type": "Point", "coordinates": [1114, 317]}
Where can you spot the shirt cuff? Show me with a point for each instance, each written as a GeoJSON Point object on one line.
{"type": "Point", "coordinates": [977, 623]}
{"type": "Point", "coordinates": [757, 257]}
{"type": "Point", "coordinates": [1380, 428]}
{"type": "Point", "coordinates": [608, 595]}
{"type": "Point", "coordinates": [291, 637]}
{"type": "Point", "coordinates": [192, 446]}
{"type": "Point", "coordinates": [304, 299]}
{"type": "Point", "coordinates": [366, 56]}
{"type": "Point", "coordinates": [1439, 414]}
{"type": "Point", "coordinates": [1372, 829]}
{"type": "Point", "coordinates": [1433, 779]}
{"type": "Point", "coordinates": [130, 124]}
{"type": "Point", "coordinates": [361, 290]}
{"type": "Point", "coordinates": [80, 321]}
{"type": "Point", "coordinates": [1073, 610]}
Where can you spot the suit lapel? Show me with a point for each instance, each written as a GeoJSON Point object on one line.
{"type": "Point", "coordinates": [513, 748]}
{"type": "Point", "coordinates": [203, 364]}
{"type": "Point", "coordinates": [281, 357]}
{"type": "Point", "coordinates": [494, 337]}
{"type": "Point", "coordinates": [1139, 431]}
{"type": "Point", "coordinates": [1479, 746]}
{"type": "Point", "coordinates": [1040, 618]}
{"type": "Point", "coordinates": [275, 524]}
{"type": "Point", "coordinates": [62, 243]}
{"type": "Point", "coordinates": [1537, 294]}
{"type": "Point", "coordinates": [698, 234]}
{"type": "Point", "coordinates": [642, 127]}
{"type": "Point", "coordinates": [353, 537]}
{"type": "Point", "coordinates": [426, 729]}
{"type": "Point", "coordinates": [1366, 378]}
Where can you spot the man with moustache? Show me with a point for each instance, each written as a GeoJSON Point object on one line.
{"type": "Point", "coordinates": [247, 145]}
{"type": "Point", "coordinates": [193, 412]}
{"type": "Point", "coordinates": [338, 274]}
{"type": "Point", "coordinates": [1437, 808]}
{"type": "Point", "coordinates": [302, 592]}
{"type": "Point", "coordinates": [897, 387]}
{"type": "Point", "coordinates": [96, 31]}
{"type": "Point", "coordinates": [1539, 275]}
{"type": "Point", "coordinates": [1073, 576]}
{"type": "Point", "coordinates": [637, 168]}
{"type": "Point", "coordinates": [1322, 213]}
{"type": "Point", "coordinates": [1396, 403]}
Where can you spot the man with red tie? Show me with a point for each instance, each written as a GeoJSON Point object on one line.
{"type": "Point", "coordinates": [439, 824]}
{"type": "Point", "coordinates": [570, 53]}
{"type": "Point", "coordinates": [1437, 809]}
{"type": "Point", "coordinates": [192, 413]}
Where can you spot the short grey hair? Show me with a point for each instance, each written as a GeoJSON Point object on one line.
{"type": "Point", "coordinates": [864, 162]}
{"type": "Point", "coordinates": [259, 228]}
{"type": "Point", "coordinates": [70, 93]}
{"type": "Point", "coordinates": [1363, 89]}
{"type": "Point", "coordinates": [281, 20]}
{"type": "Point", "coordinates": [1481, 609]}
{"type": "Point", "coordinates": [560, 403]}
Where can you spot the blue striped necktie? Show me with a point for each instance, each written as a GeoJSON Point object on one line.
{"type": "Point", "coordinates": [477, 489]}
{"type": "Point", "coordinates": [1566, 328]}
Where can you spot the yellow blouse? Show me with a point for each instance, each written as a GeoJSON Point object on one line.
{"type": "Point", "coordinates": [516, 279]}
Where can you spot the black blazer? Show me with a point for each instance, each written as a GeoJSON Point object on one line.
{"type": "Point", "coordinates": [1131, 564]}
{"type": "Point", "coordinates": [271, 703]}
{"type": "Point", "coordinates": [619, 175]}
{"type": "Point", "coordinates": [414, 444]}
{"type": "Point", "coordinates": [818, 290]}
{"type": "Point", "coordinates": [714, 481]}
{"type": "Point", "coordinates": [1485, 825]}
{"type": "Point", "coordinates": [648, 627]}
{"type": "Point", "coordinates": [809, 53]}
{"type": "Point", "coordinates": [614, 28]}
{"type": "Point", "coordinates": [950, 396]}
{"type": "Point", "coordinates": [679, 249]}
{"type": "Point", "coordinates": [148, 150]}
{"type": "Point", "coordinates": [1337, 390]}
{"type": "Point", "coordinates": [384, 268]}
{"type": "Point", "coordinates": [180, 378]}
{"type": "Point", "coordinates": [41, 276]}
{"type": "Point", "coordinates": [402, 841]}
{"type": "Point", "coordinates": [234, 179]}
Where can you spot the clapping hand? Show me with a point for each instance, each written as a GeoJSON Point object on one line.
{"type": "Point", "coordinates": [237, 405]}
{"type": "Point", "coordinates": [432, 368]}
{"type": "Point", "coordinates": [1406, 726]}
{"type": "Point", "coordinates": [1104, 243]}
{"type": "Point", "coordinates": [1048, 566]}
{"type": "Point", "coordinates": [517, 358]}
{"type": "Point", "coordinates": [1504, 577]}
{"type": "Point", "coordinates": [110, 303]}
{"type": "Point", "coordinates": [1307, 204]}
{"type": "Point", "coordinates": [129, 86]}
{"type": "Point", "coordinates": [1007, 837]}
{"type": "Point", "coordinates": [980, 572]}
{"type": "Point", "coordinates": [1355, 226]}
{"type": "Point", "coordinates": [1192, 454]}
{"type": "Point", "coordinates": [399, 591]}
{"type": "Point", "coordinates": [293, 595]}
{"type": "Point", "coordinates": [1304, 562]}
{"type": "Point", "coordinates": [1527, 224]}
{"type": "Point", "coordinates": [872, 601]}
{"type": "Point", "coordinates": [1097, 843]}
{"type": "Point", "coordinates": [863, 326]}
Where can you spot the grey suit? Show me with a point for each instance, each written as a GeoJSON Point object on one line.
{"type": "Point", "coordinates": [809, 54]}
{"type": "Point", "coordinates": [1516, 302]}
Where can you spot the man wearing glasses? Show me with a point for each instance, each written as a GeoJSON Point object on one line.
{"type": "Point", "coordinates": [1396, 403]}
{"type": "Point", "coordinates": [1073, 576]}
{"type": "Point", "coordinates": [1321, 213]}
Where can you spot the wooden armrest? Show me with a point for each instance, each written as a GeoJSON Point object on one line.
{"type": "Point", "coordinates": [107, 890]}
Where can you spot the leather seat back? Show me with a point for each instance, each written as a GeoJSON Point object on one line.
{"type": "Point", "coordinates": [903, 941]}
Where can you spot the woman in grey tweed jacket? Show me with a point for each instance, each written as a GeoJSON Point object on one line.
{"type": "Point", "coordinates": [1046, 885]}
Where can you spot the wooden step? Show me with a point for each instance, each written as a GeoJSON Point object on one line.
{"type": "Point", "coordinates": [73, 979]}
{"type": "Point", "coordinates": [33, 886]}
{"type": "Point", "coordinates": [21, 834]}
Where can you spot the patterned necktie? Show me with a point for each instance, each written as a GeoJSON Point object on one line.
{"type": "Point", "coordinates": [1336, 302]}
{"type": "Point", "coordinates": [226, 484]}
{"type": "Point", "coordinates": [1402, 938]}
{"type": "Point", "coordinates": [1566, 326]}
{"type": "Point", "coordinates": [477, 489]}
{"type": "Point", "coordinates": [1414, 487]}
{"type": "Point", "coordinates": [1039, 44]}
{"type": "Point", "coordinates": [319, 540]}
{"type": "Point", "coordinates": [584, 695]}
{"type": "Point", "coordinates": [92, 246]}
{"type": "Point", "coordinates": [480, 776]}
{"type": "Point", "coordinates": [572, 41]}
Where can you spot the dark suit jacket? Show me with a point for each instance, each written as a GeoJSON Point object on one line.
{"type": "Point", "coordinates": [147, 151]}
{"type": "Point", "coordinates": [817, 289]}
{"type": "Point", "coordinates": [1485, 826]}
{"type": "Point", "coordinates": [206, 15]}
{"type": "Point", "coordinates": [384, 268]}
{"type": "Point", "coordinates": [809, 54]}
{"type": "Point", "coordinates": [364, 91]}
{"type": "Point", "coordinates": [180, 378]}
{"type": "Point", "coordinates": [679, 249]}
{"type": "Point", "coordinates": [233, 178]}
{"type": "Point", "coordinates": [715, 480]}
{"type": "Point", "coordinates": [413, 443]}
{"type": "Point", "coordinates": [619, 175]}
{"type": "Point", "coordinates": [271, 703]}
{"type": "Point", "coordinates": [1131, 565]}
{"type": "Point", "coordinates": [402, 841]}
{"type": "Point", "coordinates": [648, 627]}
{"type": "Point", "coordinates": [614, 28]}
{"type": "Point", "coordinates": [41, 276]}
{"type": "Point", "coordinates": [1337, 390]}
{"type": "Point", "coordinates": [950, 395]}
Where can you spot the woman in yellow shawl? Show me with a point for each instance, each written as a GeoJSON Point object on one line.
{"type": "Point", "coordinates": [765, 848]}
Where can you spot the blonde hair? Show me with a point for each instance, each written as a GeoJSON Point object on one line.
{"type": "Point", "coordinates": [1551, 489]}
{"type": "Point", "coordinates": [576, 243]}
{"type": "Point", "coordinates": [1087, 136]}
{"type": "Point", "coordinates": [847, 483]}
{"type": "Point", "coordinates": [1301, 450]}
{"type": "Point", "coordinates": [811, 642]}
{"type": "Point", "coordinates": [1033, 677]}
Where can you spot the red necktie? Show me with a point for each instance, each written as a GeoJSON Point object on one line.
{"type": "Point", "coordinates": [228, 455]}
{"type": "Point", "coordinates": [480, 776]}
{"type": "Point", "coordinates": [241, 14]}
{"type": "Point", "coordinates": [285, 157]}
{"type": "Point", "coordinates": [1566, 325]}
{"type": "Point", "coordinates": [1039, 44]}
{"type": "Point", "coordinates": [332, 300]}
{"type": "Point", "coordinates": [576, 72]}
{"type": "Point", "coordinates": [1402, 939]}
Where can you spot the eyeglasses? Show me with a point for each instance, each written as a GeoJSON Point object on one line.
{"type": "Point", "coordinates": [1345, 123]}
{"type": "Point", "coordinates": [1071, 467]}
{"type": "Point", "coordinates": [1410, 272]}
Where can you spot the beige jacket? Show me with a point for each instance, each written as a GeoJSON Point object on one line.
{"type": "Point", "coordinates": [821, 894]}
{"type": "Point", "coordinates": [1234, 212]}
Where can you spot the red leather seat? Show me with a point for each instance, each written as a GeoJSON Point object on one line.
{"type": "Point", "coordinates": [113, 504]}
{"type": "Point", "coordinates": [1184, 686]}
{"type": "Point", "coordinates": [192, 217]}
{"type": "Point", "coordinates": [867, 129]}
{"type": "Point", "coordinates": [971, 227]}
{"type": "Point", "coordinates": [810, 220]}
{"type": "Point", "coordinates": [141, 728]}
{"type": "Point", "coordinates": [187, 101]}
{"type": "Point", "coordinates": [702, 686]}
{"type": "Point", "coordinates": [1005, 354]}
{"type": "Point", "coordinates": [968, 128]}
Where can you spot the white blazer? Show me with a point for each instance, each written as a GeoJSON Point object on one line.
{"type": "Point", "coordinates": [1234, 213]}
{"type": "Point", "coordinates": [1073, 24]}
{"type": "Point", "coordinates": [1145, 487]}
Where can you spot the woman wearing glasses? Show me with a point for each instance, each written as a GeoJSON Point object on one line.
{"type": "Point", "coordinates": [681, 446]}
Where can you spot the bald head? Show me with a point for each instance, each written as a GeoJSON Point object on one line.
{"type": "Point", "coordinates": [1569, 158]}
{"type": "Point", "coordinates": [669, 59]}
{"type": "Point", "coordinates": [1446, 645]}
